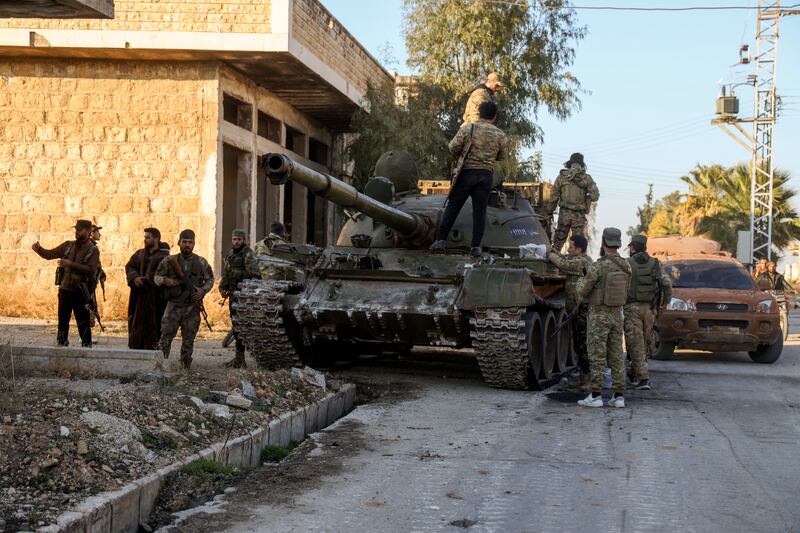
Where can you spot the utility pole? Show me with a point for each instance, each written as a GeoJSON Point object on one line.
{"type": "Point", "coordinates": [760, 144]}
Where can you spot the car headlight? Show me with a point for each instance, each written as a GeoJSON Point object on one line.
{"type": "Point", "coordinates": [764, 306]}
{"type": "Point", "coordinates": [676, 304]}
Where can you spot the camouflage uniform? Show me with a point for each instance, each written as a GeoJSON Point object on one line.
{"type": "Point", "coordinates": [575, 267]}
{"type": "Point", "coordinates": [264, 247]}
{"type": "Point", "coordinates": [604, 335]}
{"type": "Point", "coordinates": [573, 193]}
{"type": "Point", "coordinates": [647, 281]}
{"type": "Point", "coordinates": [240, 264]}
{"type": "Point", "coordinates": [181, 311]}
{"type": "Point", "coordinates": [489, 144]}
{"type": "Point", "coordinates": [479, 95]}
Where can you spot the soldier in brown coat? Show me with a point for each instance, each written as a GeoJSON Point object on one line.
{"type": "Point", "coordinates": [146, 304]}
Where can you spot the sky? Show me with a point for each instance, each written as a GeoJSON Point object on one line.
{"type": "Point", "coordinates": [651, 80]}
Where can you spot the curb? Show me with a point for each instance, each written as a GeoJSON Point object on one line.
{"type": "Point", "coordinates": [116, 362]}
{"type": "Point", "coordinates": [123, 509]}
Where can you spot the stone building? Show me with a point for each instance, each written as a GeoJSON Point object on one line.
{"type": "Point", "coordinates": [157, 116]}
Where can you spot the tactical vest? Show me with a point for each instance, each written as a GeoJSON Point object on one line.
{"type": "Point", "coordinates": [70, 278]}
{"type": "Point", "coordinates": [573, 192]}
{"type": "Point", "coordinates": [612, 287]}
{"type": "Point", "coordinates": [643, 282]}
{"type": "Point", "coordinates": [235, 262]}
{"type": "Point", "coordinates": [195, 273]}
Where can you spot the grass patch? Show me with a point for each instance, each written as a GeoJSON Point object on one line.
{"type": "Point", "coordinates": [276, 454]}
{"type": "Point", "coordinates": [206, 468]}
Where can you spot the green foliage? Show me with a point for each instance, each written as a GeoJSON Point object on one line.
{"type": "Point", "coordinates": [205, 467]}
{"type": "Point", "coordinates": [454, 44]}
{"type": "Point", "coordinates": [645, 214]}
{"type": "Point", "coordinates": [276, 454]}
{"type": "Point", "coordinates": [412, 128]}
{"type": "Point", "coordinates": [717, 207]}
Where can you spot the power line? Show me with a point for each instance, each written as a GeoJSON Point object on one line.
{"type": "Point", "coordinates": [629, 8]}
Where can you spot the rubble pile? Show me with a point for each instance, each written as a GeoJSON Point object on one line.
{"type": "Point", "coordinates": [60, 443]}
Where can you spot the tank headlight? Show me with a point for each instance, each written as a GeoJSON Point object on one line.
{"type": "Point", "coordinates": [764, 306]}
{"type": "Point", "coordinates": [676, 304]}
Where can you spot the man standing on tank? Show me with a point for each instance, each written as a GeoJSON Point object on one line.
{"type": "Point", "coordinates": [574, 266]}
{"type": "Point", "coordinates": [481, 144]}
{"type": "Point", "coordinates": [650, 288]}
{"type": "Point", "coordinates": [482, 93]}
{"type": "Point", "coordinates": [573, 193]}
{"type": "Point", "coordinates": [605, 289]}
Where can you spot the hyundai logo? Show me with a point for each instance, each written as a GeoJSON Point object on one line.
{"type": "Point", "coordinates": [722, 307]}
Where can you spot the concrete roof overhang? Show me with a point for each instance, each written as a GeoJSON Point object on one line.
{"type": "Point", "coordinates": [279, 72]}
{"type": "Point", "coordinates": [57, 9]}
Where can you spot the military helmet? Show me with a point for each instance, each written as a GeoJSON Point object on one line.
{"type": "Point", "coordinates": [400, 168]}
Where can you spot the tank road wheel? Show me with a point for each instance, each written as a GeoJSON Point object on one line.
{"type": "Point", "coordinates": [504, 340]}
{"type": "Point", "coordinates": [564, 342]}
{"type": "Point", "coordinates": [260, 322]}
{"type": "Point", "coordinates": [549, 345]}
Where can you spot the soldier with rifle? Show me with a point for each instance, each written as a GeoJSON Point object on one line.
{"type": "Point", "coordinates": [185, 278]}
{"type": "Point", "coordinates": [76, 277]}
{"type": "Point", "coordinates": [240, 264]}
{"type": "Point", "coordinates": [649, 289]}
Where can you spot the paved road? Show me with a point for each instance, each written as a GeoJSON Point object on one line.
{"type": "Point", "coordinates": [713, 448]}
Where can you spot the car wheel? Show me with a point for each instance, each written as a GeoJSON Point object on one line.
{"type": "Point", "coordinates": [767, 353]}
{"type": "Point", "coordinates": [664, 351]}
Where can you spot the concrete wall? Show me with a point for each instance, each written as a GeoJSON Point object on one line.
{"type": "Point", "coordinates": [127, 144]}
{"type": "Point", "coordinates": [238, 16]}
{"type": "Point", "coordinates": [314, 28]}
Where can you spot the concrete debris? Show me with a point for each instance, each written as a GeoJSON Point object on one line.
{"type": "Point", "coordinates": [63, 431]}
{"type": "Point", "coordinates": [117, 431]}
{"type": "Point", "coordinates": [310, 376]}
{"type": "Point", "coordinates": [218, 410]}
{"type": "Point", "coordinates": [82, 448]}
{"type": "Point", "coordinates": [236, 400]}
{"type": "Point", "coordinates": [248, 391]}
{"type": "Point", "coordinates": [217, 396]}
{"type": "Point", "coordinates": [49, 463]}
{"type": "Point", "coordinates": [197, 402]}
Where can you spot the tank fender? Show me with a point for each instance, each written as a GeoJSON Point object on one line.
{"type": "Point", "coordinates": [496, 287]}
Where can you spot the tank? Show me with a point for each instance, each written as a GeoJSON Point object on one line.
{"type": "Point", "coordinates": [380, 288]}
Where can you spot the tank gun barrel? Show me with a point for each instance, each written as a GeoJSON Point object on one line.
{"type": "Point", "coordinates": [280, 169]}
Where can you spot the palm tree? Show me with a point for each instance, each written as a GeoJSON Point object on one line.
{"type": "Point", "coordinates": [731, 212]}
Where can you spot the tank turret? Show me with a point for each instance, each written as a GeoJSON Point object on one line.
{"type": "Point", "coordinates": [417, 229]}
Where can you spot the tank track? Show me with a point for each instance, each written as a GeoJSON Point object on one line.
{"type": "Point", "coordinates": [501, 347]}
{"type": "Point", "coordinates": [260, 324]}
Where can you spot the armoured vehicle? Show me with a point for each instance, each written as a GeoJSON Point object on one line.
{"type": "Point", "coordinates": [380, 288]}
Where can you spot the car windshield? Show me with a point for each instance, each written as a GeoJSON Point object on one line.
{"type": "Point", "coordinates": [708, 275]}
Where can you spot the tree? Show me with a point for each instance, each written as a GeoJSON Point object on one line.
{"type": "Point", "coordinates": [381, 125]}
{"type": "Point", "coordinates": [664, 222]}
{"type": "Point", "coordinates": [717, 206]}
{"type": "Point", "coordinates": [645, 214]}
{"type": "Point", "coordinates": [723, 222]}
{"type": "Point", "coordinates": [454, 44]}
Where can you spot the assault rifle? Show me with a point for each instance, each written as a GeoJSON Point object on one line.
{"type": "Point", "coordinates": [90, 304]}
{"type": "Point", "coordinates": [189, 287]}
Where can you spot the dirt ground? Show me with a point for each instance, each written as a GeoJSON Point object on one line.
{"type": "Point", "coordinates": [53, 454]}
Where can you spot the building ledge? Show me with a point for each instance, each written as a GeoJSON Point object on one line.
{"type": "Point", "coordinates": [58, 9]}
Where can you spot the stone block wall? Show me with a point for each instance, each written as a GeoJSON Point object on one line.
{"type": "Point", "coordinates": [315, 28]}
{"type": "Point", "coordinates": [231, 16]}
{"type": "Point", "coordinates": [126, 144]}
